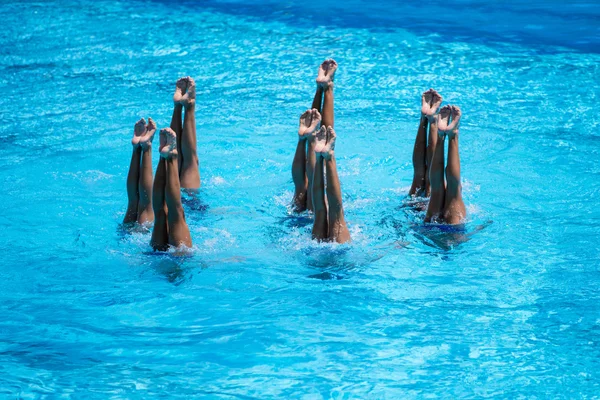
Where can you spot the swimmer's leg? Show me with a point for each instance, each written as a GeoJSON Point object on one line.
{"type": "Point", "coordinates": [430, 112]}
{"type": "Point", "coordinates": [179, 232]}
{"type": "Point", "coordinates": [309, 121]}
{"type": "Point", "coordinates": [160, 234]}
{"type": "Point", "coordinates": [311, 159]}
{"type": "Point", "coordinates": [133, 176]}
{"type": "Point", "coordinates": [320, 229]}
{"type": "Point", "coordinates": [190, 172]}
{"type": "Point", "coordinates": [436, 175]}
{"type": "Point", "coordinates": [318, 99]}
{"type": "Point", "coordinates": [454, 208]}
{"type": "Point", "coordinates": [145, 212]}
{"type": "Point", "coordinates": [419, 160]}
{"type": "Point", "coordinates": [327, 85]}
{"type": "Point", "coordinates": [176, 126]}
{"type": "Point", "coordinates": [338, 230]}
{"type": "Point", "coordinates": [431, 144]}
{"type": "Point", "coordinates": [299, 176]}
{"type": "Point", "coordinates": [132, 186]}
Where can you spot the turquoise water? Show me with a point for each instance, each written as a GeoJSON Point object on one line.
{"type": "Point", "coordinates": [259, 310]}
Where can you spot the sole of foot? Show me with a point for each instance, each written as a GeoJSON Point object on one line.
{"type": "Point", "coordinates": [148, 137]}
{"type": "Point", "coordinates": [326, 73]}
{"type": "Point", "coordinates": [180, 89]}
{"type": "Point", "coordinates": [189, 97]}
{"type": "Point", "coordinates": [138, 131]}
{"type": "Point", "coordinates": [168, 143]}
{"type": "Point", "coordinates": [453, 127]}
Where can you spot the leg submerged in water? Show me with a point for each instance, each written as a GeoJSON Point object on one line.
{"type": "Point", "coordinates": [176, 125]}
{"type": "Point", "coordinates": [311, 159]}
{"type": "Point", "coordinates": [320, 229]}
{"type": "Point", "coordinates": [309, 121]}
{"type": "Point", "coordinates": [189, 172]}
{"type": "Point", "coordinates": [419, 160]}
{"type": "Point", "coordinates": [435, 100]}
{"type": "Point", "coordinates": [160, 232]}
{"type": "Point", "coordinates": [133, 176]}
{"type": "Point", "coordinates": [454, 207]}
{"type": "Point", "coordinates": [324, 149]}
{"type": "Point", "coordinates": [338, 230]}
{"type": "Point", "coordinates": [145, 212]}
{"type": "Point", "coordinates": [436, 172]}
{"type": "Point", "coordinates": [179, 233]}
{"type": "Point", "coordinates": [422, 150]}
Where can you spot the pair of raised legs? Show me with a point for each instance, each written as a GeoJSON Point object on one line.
{"type": "Point", "coordinates": [170, 227]}
{"type": "Point", "coordinates": [445, 203]}
{"type": "Point", "coordinates": [315, 159]}
{"type": "Point", "coordinates": [139, 178]}
{"type": "Point", "coordinates": [187, 156]}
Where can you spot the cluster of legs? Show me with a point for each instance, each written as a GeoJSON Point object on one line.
{"type": "Point", "coordinates": [178, 168]}
{"type": "Point", "coordinates": [314, 170]}
{"type": "Point", "coordinates": [445, 203]}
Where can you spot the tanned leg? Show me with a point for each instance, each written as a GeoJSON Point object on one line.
{"type": "Point", "coordinates": [419, 160]}
{"type": "Point", "coordinates": [189, 173]}
{"type": "Point", "coordinates": [327, 85]}
{"type": "Point", "coordinates": [320, 229]}
{"type": "Point", "coordinates": [309, 121]}
{"type": "Point", "coordinates": [436, 172]}
{"type": "Point", "coordinates": [176, 126]}
{"type": "Point", "coordinates": [454, 208]}
{"type": "Point", "coordinates": [311, 159]}
{"type": "Point", "coordinates": [145, 212]}
{"type": "Point", "coordinates": [430, 103]}
{"type": "Point", "coordinates": [299, 176]}
{"type": "Point", "coordinates": [179, 233]}
{"type": "Point", "coordinates": [133, 176]}
{"type": "Point", "coordinates": [338, 230]}
{"type": "Point", "coordinates": [431, 144]}
{"type": "Point", "coordinates": [324, 148]}
{"type": "Point", "coordinates": [160, 233]}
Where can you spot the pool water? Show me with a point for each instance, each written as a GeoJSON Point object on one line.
{"type": "Point", "coordinates": [510, 308]}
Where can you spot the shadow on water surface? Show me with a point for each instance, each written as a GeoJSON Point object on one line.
{"type": "Point", "coordinates": [174, 265]}
{"type": "Point", "coordinates": [445, 237]}
{"type": "Point", "coordinates": [336, 260]}
{"type": "Point", "coordinates": [408, 223]}
{"type": "Point", "coordinates": [191, 199]}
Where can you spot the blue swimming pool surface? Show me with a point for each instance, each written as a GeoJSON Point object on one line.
{"type": "Point", "coordinates": [510, 308]}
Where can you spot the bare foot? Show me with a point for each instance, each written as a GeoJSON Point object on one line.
{"type": "Point", "coordinates": [148, 137]}
{"type": "Point", "coordinates": [138, 131]}
{"type": "Point", "coordinates": [326, 73]}
{"type": "Point", "coordinates": [430, 103]}
{"type": "Point", "coordinates": [325, 142]}
{"type": "Point", "coordinates": [443, 120]}
{"type": "Point", "coordinates": [189, 97]}
{"type": "Point", "coordinates": [453, 127]}
{"type": "Point", "coordinates": [180, 89]}
{"type": "Point", "coordinates": [309, 121]}
{"type": "Point", "coordinates": [168, 143]}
